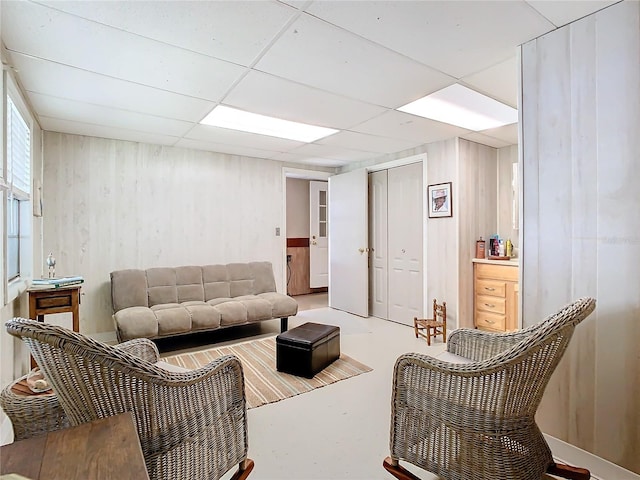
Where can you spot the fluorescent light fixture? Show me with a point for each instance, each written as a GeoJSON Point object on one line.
{"type": "Point", "coordinates": [463, 107]}
{"type": "Point", "coordinates": [227, 117]}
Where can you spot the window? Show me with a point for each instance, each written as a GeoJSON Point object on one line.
{"type": "Point", "coordinates": [18, 183]}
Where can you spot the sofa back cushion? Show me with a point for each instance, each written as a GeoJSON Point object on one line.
{"type": "Point", "coordinates": [263, 280]}
{"type": "Point", "coordinates": [128, 289]}
{"type": "Point", "coordinates": [216, 282]}
{"type": "Point", "coordinates": [189, 284]}
{"type": "Point", "coordinates": [240, 279]}
{"type": "Point", "coordinates": [161, 286]}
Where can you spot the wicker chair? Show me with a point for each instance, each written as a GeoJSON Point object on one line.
{"type": "Point", "coordinates": [191, 425]}
{"type": "Point", "coordinates": [474, 419]}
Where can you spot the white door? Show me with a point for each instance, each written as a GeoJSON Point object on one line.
{"type": "Point", "coordinates": [405, 243]}
{"type": "Point", "coordinates": [319, 233]}
{"type": "Point", "coordinates": [348, 246]}
{"type": "Point", "coordinates": [378, 270]}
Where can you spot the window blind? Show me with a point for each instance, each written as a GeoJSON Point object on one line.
{"type": "Point", "coordinates": [18, 151]}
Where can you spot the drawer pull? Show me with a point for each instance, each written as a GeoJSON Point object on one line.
{"type": "Point", "coordinates": [489, 321]}
{"type": "Point", "coordinates": [490, 305]}
{"type": "Point", "coordinates": [489, 289]}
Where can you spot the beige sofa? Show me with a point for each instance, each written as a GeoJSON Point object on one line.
{"type": "Point", "coordinates": [163, 302]}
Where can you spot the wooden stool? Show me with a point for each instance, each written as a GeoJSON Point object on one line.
{"type": "Point", "coordinates": [432, 327]}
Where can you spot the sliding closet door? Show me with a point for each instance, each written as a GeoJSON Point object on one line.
{"type": "Point", "coordinates": [405, 218]}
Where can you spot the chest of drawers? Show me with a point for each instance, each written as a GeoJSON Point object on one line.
{"type": "Point", "coordinates": [495, 297]}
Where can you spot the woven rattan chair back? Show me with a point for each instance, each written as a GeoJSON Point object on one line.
{"type": "Point", "coordinates": [476, 420]}
{"type": "Point", "coordinates": [191, 425]}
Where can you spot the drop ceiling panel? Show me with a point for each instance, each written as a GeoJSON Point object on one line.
{"type": "Point", "coordinates": [485, 140]}
{"type": "Point", "coordinates": [269, 95]}
{"type": "Point", "coordinates": [243, 150]}
{"type": "Point", "coordinates": [318, 54]}
{"type": "Point", "coordinates": [57, 80]}
{"type": "Point", "coordinates": [367, 143]}
{"type": "Point", "coordinates": [332, 152]}
{"type": "Point", "coordinates": [236, 31]}
{"type": "Point", "coordinates": [495, 137]}
{"type": "Point", "coordinates": [457, 38]}
{"type": "Point", "coordinates": [76, 128]}
{"type": "Point", "coordinates": [563, 12]}
{"type": "Point", "coordinates": [233, 137]}
{"type": "Point", "coordinates": [506, 133]}
{"type": "Point", "coordinates": [409, 127]}
{"type": "Point", "coordinates": [499, 82]}
{"type": "Point", "coordinates": [54, 35]}
{"type": "Point", "coordinates": [69, 110]}
{"type": "Point", "coordinates": [309, 160]}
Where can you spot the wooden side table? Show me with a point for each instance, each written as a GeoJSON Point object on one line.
{"type": "Point", "coordinates": [104, 448]}
{"type": "Point", "coordinates": [55, 300]}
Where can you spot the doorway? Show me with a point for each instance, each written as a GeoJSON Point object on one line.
{"type": "Point", "coordinates": [306, 229]}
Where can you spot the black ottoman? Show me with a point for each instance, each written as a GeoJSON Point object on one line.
{"type": "Point", "coordinates": [307, 349]}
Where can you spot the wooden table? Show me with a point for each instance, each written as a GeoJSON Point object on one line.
{"type": "Point", "coordinates": [55, 300]}
{"type": "Point", "coordinates": [107, 448]}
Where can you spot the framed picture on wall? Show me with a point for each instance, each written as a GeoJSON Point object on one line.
{"type": "Point", "coordinates": [440, 201]}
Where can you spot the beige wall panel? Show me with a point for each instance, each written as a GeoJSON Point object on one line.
{"type": "Point", "coordinates": [112, 204]}
{"type": "Point", "coordinates": [507, 157]}
{"type": "Point", "coordinates": [476, 214]}
{"type": "Point", "coordinates": [617, 33]}
{"type": "Point", "coordinates": [297, 208]}
{"type": "Point", "coordinates": [581, 222]}
{"type": "Point", "coordinates": [442, 233]}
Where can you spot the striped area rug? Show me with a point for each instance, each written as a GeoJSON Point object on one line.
{"type": "Point", "coordinates": [263, 383]}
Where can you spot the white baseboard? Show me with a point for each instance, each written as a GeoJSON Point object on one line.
{"type": "Point", "coordinates": [600, 468]}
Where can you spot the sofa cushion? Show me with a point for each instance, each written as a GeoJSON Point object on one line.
{"type": "Point", "coordinates": [189, 284]}
{"type": "Point", "coordinates": [257, 308]}
{"type": "Point", "coordinates": [216, 301]}
{"type": "Point", "coordinates": [215, 280]}
{"type": "Point", "coordinates": [240, 279]}
{"type": "Point", "coordinates": [136, 322]}
{"type": "Point", "coordinates": [128, 289]}
{"type": "Point", "coordinates": [173, 320]}
{"type": "Point", "coordinates": [164, 306]}
{"type": "Point", "coordinates": [203, 316]}
{"type": "Point", "coordinates": [231, 313]}
{"type": "Point", "coordinates": [263, 279]}
{"type": "Point", "coordinates": [282, 305]}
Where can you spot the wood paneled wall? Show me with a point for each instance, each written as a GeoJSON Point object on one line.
{"type": "Point", "coordinates": [580, 121]}
{"type": "Point", "coordinates": [507, 157]}
{"type": "Point", "coordinates": [112, 204]}
{"type": "Point", "coordinates": [442, 233]}
{"type": "Point", "coordinates": [476, 216]}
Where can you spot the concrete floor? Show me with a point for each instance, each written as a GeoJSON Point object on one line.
{"type": "Point", "coordinates": [341, 431]}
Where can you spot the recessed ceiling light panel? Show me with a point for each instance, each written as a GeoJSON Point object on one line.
{"type": "Point", "coordinates": [463, 107]}
{"type": "Point", "coordinates": [232, 118]}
